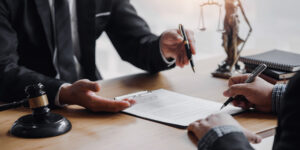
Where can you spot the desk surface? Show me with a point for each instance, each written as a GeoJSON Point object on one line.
{"type": "Point", "coordinates": [108, 131]}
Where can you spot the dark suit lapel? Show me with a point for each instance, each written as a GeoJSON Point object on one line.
{"type": "Point", "coordinates": [44, 12]}
{"type": "Point", "coordinates": [87, 35]}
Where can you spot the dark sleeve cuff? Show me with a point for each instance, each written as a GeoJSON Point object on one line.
{"type": "Point", "coordinates": [214, 134]}
{"type": "Point", "coordinates": [277, 97]}
{"type": "Point", "coordinates": [51, 88]}
{"type": "Point", "coordinates": [232, 141]}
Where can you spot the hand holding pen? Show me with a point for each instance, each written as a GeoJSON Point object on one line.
{"type": "Point", "coordinates": [173, 48]}
{"type": "Point", "coordinates": [239, 87]}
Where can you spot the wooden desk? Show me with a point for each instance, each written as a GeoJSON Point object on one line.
{"type": "Point", "coordinates": [108, 131]}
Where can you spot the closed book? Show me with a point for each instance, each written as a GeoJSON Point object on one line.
{"type": "Point", "coordinates": [275, 59]}
{"type": "Point", "coordinates": [270, 79]}
{"type": "Point", "coordinates": [276, 74]}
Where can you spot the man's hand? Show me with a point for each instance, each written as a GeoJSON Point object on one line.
{"type": "Point", "coordinates": [201, 127]}
{"type": "Point", "coordinates": [83, 93]}
{"type": "Point", "coordinates": [172, 46]}
{"type": "Point", "coordinates": [258, 93]}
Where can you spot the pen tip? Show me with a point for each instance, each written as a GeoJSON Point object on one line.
{"type": "Point", "coordinates": [193, 69]}
{"type": "Point", "coordinates": [222, 107]}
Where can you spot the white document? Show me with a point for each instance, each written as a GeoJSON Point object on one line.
{"type": "Point", "coordinates": [173, 108]}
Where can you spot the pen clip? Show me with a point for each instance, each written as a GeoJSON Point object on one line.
{"type": "Point", "coordinates": [133, 95]}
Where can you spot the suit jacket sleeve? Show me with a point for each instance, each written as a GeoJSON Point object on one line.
{"type": "Point", "coordinates": [132, 38]}
{"type": "Point", "coordinates": [232, 141]}
{"type": "Point", "coordinates": [14, 78]}
{"type": "Point", "coordinates": [287, 132]}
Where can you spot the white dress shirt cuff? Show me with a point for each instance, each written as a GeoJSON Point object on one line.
{"type": "Point", "coordinates": [56, 102]}
{"type": "Point", "coordinates": [169, 63]}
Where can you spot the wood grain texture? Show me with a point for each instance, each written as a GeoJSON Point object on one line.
{"type": "Point", "coordinates": [108, 131]}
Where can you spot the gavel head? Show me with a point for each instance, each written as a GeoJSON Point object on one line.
{"type": "Point", "coordinates": [37, 99]}
{"type": "Point", "coordinates": [35, 90]}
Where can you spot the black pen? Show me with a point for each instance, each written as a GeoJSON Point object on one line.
{"type": "Point", "coordinates": [187, 46]}
{"type": "Point", "coordinates": [256, 72]}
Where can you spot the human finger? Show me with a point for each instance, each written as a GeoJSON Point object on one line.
{"type": "Point", "coordinates": [252, 137]}
{"type": "Point", "coordinates": [179, 61]}
{"type": "Point", "coordinates": [193, 126]}
{"type": "Point", "coordinates": [184, 61]}
{"type": "Point", "coordinates": [89, 85]}
{"type": "Point", "coordinates": [131, 101]}
{"type": "Point", "coordinates": [179, 36]}
{"type": "Point", "coordinates": [245, 105]}
{"type": "Point", "coordinates": [236, 103]}
{"type": "Point", "coordinates": [237, 89]}
{"type": "Point", "coordinates": [191, 39]}
{"type": "Point", "coordinates": [237, 79]}
{"type": "Point", "coordinates": [102, 104]}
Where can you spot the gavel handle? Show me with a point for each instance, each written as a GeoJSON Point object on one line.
{"type": "Point", "coordinates": [13, 105]}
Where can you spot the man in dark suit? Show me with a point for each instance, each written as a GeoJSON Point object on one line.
{"type": "Point", "coordinates": [222, 132]}
{"type": "Point", "coordinates": [53, 42]}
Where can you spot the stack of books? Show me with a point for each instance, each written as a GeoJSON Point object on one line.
{"type": "Point", "coordinates": [282, 65]}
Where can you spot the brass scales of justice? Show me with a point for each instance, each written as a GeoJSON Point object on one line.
{"type": "Point", "coordinates": [232, 43]}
